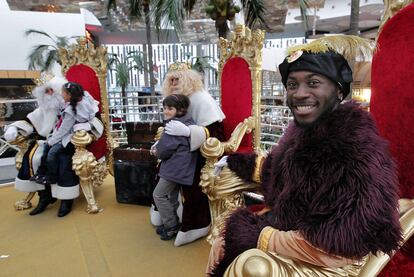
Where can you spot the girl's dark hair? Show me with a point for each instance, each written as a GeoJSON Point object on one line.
{"type": "Point", "coordinates": [177, 101]}
{"type": "Point", "coordinates": [76, 93]}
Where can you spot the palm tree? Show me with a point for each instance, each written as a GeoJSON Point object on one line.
{"type": "Point", "coordinates": [122, 66]}
{"type": "Point", "coordinates": [44, 56]}
{"type": "Point", "coordinates": [136, 7]}
{"type": "Point", "coordinates": [173, 12]}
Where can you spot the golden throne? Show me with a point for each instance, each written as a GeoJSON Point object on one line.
{"type": "Point", "coordinates": [85, 64]}
{"type": "Point", "coordinates": [385, 107]}
{"type": "Point", "coordinates": [240, 69]}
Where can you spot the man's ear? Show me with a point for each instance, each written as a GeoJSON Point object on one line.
{"type": "Point", "coordinates": [339, 94]}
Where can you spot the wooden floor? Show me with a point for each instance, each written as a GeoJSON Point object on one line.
{"type": "Point", "coordinates": [120, 241]}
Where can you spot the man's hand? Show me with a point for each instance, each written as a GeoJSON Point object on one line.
{"type": "Point", "coordinates": [11, 133]}
{"type": "Point", "coordinates": [177, 128]}
{"type": "Point", "coordinates": [219, 165]}
{"type": "Point", "coordinates": [153, 150]}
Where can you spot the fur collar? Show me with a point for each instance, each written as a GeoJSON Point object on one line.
{"type": "Point", "coordinates": [335, 182]}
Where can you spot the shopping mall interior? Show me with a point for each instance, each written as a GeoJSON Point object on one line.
{"type": "Point", "coordinates": [121, 52]}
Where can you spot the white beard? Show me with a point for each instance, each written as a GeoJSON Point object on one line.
{"type": "Point", "coordinates": [45, 101]}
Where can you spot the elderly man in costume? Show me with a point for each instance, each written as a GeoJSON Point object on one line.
{"type": "Point", "coordinates": [208, 116]}
{"type": "Point", "coordinates": [330, 185]}
{"type": "Point", "coordinates": [37, 127]}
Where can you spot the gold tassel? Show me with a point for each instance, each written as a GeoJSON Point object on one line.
{"type": "Point", "coordinates": [350, 47]}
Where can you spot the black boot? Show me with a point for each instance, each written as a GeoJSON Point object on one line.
{"type": "Point", "coordinates": [45, 198]}
{"type": "Point", "coordinates": [65, 207]}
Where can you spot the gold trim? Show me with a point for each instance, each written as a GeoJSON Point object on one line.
{"type": "Point", "coordinates": [258, 168]}
{"type": "Point", "coordinates": [207, 132]}
{"type": "Point", "coordinates": [31, 154]}
{"type": "Point", "coordinates": [264, 237]}
{"type": "Point", "coordinates": [24, 204]}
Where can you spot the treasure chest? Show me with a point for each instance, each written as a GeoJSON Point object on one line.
{"type": "Point", "coordinates": [135, 170]}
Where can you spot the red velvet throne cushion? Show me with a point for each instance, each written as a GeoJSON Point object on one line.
{"type": "Point", "coordinates": [86, 77]}
{"type": "Point", "coordinates": [392, 105]}
{"type": "Point", "coordinates": [236, 98]}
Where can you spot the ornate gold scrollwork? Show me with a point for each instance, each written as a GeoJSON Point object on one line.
{"type": "Point", "coordinates": [224, 191]}
{"type": "Point", "coordinates": [255, 262]}
{"type": "Point", "coordinates": [90, 172]}
{"type": "Point", "coordinates": [23, 144]}
{"type": "Point", "coordinates": [24, 204]}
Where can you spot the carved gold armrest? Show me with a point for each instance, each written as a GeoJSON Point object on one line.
{"type": "Point", "coordinates": [375, 264]}
{"type": "Point", "coordinates": [23, 144]}
{"type": "Point", "coordinates": [257, 263]}
{"type": "Point", "coordinates": [224, 191]}
{"type": "Point", "coordinates": [91, 172]}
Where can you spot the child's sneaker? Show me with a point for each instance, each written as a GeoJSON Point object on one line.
{"type": "Point", "coordinates": [169, 233]}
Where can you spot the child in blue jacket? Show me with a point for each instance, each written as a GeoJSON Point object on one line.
{"type": "Point", "coordinates": [177, 167]}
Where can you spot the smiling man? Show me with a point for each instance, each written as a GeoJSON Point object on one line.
{"type": "Point", "coordinates": [330, 185]}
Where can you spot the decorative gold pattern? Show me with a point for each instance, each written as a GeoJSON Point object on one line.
{"type": "Point", "coordinates": [24, 204]}
{"type": "Point", "coordinates": [23, 144]}
{"type": "Point", "coordinates": [91, 172]}
{"type": "Point", "coordinates": [258, 169]}
{"type": "Point", "coordinates": [86, 167]}
{"type": "Point", "coordinates": [255, 262]}
{"type": "Point", "coordinates": [265, 234]}
{"type": "Point", "coordinates": [224, 191]}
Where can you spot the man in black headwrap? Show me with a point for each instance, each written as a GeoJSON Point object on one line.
{"type": "Point", "coordinates": [330, 185]}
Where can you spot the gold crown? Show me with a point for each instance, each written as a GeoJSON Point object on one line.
{"type": "Point", "coordinates": [44, 78]}
{"type": "Point", "coordinates": [179, 66]}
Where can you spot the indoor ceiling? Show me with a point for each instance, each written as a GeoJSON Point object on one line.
{"type": "Point", "coordinates": [330, 16]}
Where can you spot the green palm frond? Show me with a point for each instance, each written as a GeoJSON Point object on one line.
{"type": "Point", "coordinates": [52, 56]}
{"type": "Point", "coordinates": [254, 11]}
{"type": "Point", "coordinates": [29, 32]}
{"type": "Point", "coordinates": [122, 74]}
{"type": "Point", "coordinates": [43, 56]}
{"type": "Point", "coordinates": [138, 59]}
{"type": "Point", "coordinates": [36, 57]}
{"type": "Point", "coordinates": [165, 12]}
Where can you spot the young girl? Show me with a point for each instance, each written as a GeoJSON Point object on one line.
{"type": "Point", "coordinates": [80, 107]}
{"type": "Point", "coordinates": [177, 167]}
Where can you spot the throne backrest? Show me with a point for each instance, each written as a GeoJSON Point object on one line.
{"type": "Point", "coordinates": [86, 65]}
{"type": "Point", "coordinates": [240, 81]}
{"type": "Point", "coordinates": [392, 95]}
